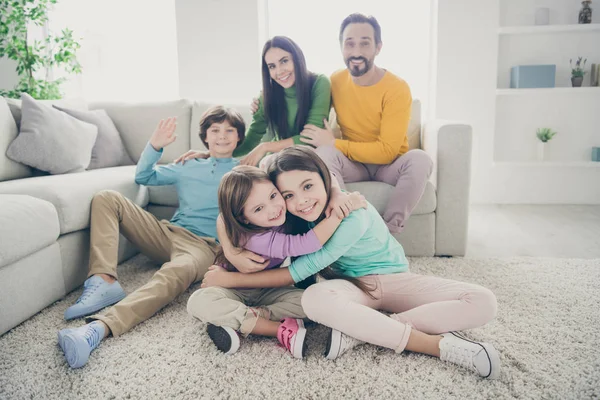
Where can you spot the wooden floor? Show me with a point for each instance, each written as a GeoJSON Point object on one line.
{"type": "Point", "coordinates": [566, 231]}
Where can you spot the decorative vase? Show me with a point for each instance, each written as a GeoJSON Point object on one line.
{"type": "Point", "coordinates": [576, 81]}
{"type": "Point", "coordinates": [585, 15]}
{"type": "Point", "coordinates": [540, 151]}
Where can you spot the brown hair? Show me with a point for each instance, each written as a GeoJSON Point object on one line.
{"type": "Point", "coordinates": [303, 159]}
{"type": "Point", "coordinates": [234, 190]}
{"type": "Point", "coordinates": [358, 18]}
{"type": "Point", "coordinates": [218, 114]}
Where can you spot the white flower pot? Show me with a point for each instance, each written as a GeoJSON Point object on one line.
{"type": "Point", "coordinates": [540, 151]}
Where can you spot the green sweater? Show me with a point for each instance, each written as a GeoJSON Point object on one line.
{"type": "Point", "coordinates": [319, 110]}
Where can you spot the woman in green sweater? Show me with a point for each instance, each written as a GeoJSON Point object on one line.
{"type": "Point", "coordinates": [292, 97]}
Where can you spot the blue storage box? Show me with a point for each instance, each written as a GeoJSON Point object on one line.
{"type": "Point", "coordinates": [595, 153]}
{"type": "Point", "coordinates": [532, 76]}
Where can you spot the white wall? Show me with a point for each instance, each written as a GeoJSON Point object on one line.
{"type": "Point", "coordinates": [465, 74]}
{"type": "Point", "coordinates": [218, 50]}
{"type": "Point", "coordinates": [8, 75]}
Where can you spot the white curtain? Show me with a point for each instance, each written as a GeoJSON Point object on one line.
{"type": "Point", "coordinates": [128, 48]}
{"type": "Point", "coordinates": [314, 25]}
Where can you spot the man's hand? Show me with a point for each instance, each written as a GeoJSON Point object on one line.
{"type": "Point", "coordinates": [316, 136]}
{"type": "Point", "coordinates": [164, 134]}
{"type": "Point", "coordinates": [218, 276]}
{"type": "Point", "coordinates": [191, 154]}
{"type": "Point", "coordinates": [254, 105]}
{"type": "Point", "coordinates": [343, 204]}
{"type": "Point", "coordinates": [247, 262]}
{"type": "Point", "coordinates": [254, 157]}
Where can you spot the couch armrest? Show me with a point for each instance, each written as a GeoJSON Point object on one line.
{"type": "Point", "coordinates": [449, 145]}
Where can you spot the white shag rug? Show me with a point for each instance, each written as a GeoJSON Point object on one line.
{"type": "Point", "coordinates": [547, 332]}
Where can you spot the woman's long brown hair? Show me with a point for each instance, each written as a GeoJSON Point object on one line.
{"type": "Point", "coordinates": [303, 159]}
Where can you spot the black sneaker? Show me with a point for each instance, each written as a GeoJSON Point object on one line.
{"type": "Point", "coordinates": [226, 339]}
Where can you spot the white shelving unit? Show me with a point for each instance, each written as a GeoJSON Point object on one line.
{"type": "Point", "coordinates": [573, 112]}
{"type": "Point", "coordinates": [546, 29]}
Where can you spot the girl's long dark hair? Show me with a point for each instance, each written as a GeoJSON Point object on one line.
{"type": "Point", "coordinates": [274, 104]}
{"type": "Point", "coordinates": [304, 159]}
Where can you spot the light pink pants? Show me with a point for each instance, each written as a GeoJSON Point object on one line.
{"type": "Point", "coordinates": [428, 304]}
{"type": "Point", "coordinates": [408, 174]}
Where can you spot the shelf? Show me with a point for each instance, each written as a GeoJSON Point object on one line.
{"type": "Point", "coordinates": [548, 29]}
{"type": "Point", "coordinates": [543, 164]}
{"type": "Point", "coordinates": [556, 90]}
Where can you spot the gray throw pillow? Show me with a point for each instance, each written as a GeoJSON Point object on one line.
{"type": "Point", "coordinates": [51, 140]}
{"type": "Point", "coordinates": [109, 150]}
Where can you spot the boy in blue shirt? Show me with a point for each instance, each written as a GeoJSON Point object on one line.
{"type": "Point", "coordinates": [186, 245]}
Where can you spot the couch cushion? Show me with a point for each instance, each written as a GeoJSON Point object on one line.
{"type": "Point", "coordinates": [51, 140]}
{"type": "Point", "coordinates": [163, 195]}
{"type": "Point", "coordinates": [136, 123]}
{"type": "Point", "coordinates": [72, 194]}
{"type": "Point", "coordinates": [109, 150]}
{"type": "Point", "coordinates": [27, 225]}
{"type": "Point", "coordinates": [9, 169]}
{"type": "Point", "coordinates": [378, 194]}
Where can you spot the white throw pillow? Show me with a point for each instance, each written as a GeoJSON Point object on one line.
{"type": "Point", "coordinates": [51, 140]}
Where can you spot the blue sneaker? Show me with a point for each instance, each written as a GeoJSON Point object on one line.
{"type": "Point", "coordinates": [78, 343]}
{"type": "Point", "coordinates": [97, 294]}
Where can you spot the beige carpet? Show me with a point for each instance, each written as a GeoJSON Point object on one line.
{"type": "Point", "coordinates": [547, 331]}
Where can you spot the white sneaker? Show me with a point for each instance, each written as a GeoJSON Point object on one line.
{"type": "Point", "coordinates": [226, 339]}
{"type": "Point", "coordinates": [481, 358]}
{"type": "Point", "coordinates": [338, 343]}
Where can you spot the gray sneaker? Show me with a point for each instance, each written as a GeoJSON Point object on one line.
{"type": "Point", "coordinates": [97, 294]}
{"type": "Point", "coordinates": [481, 358]}
{"type": "Point", "coordinates": [338, 343]}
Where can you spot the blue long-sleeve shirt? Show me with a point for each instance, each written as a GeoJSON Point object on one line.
{"type": "Point", "coordinates": [362, 245]}
{"type": "Point", "coordinates": [197, 182]}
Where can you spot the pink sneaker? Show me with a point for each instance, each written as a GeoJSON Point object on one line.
{"type": "Point", "coordinates": [291, 335]}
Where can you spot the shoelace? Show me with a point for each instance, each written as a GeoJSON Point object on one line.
{"type": "Point", "coordinates": [87, 292]}
{"type": "Point", "coordinates": [92, 336]}
{"type": "Point", "coordinates": [462, 356]}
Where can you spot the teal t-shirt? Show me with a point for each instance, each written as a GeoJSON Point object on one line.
{"type": "Point", "coordinates": [319, 110]}
{"type": "Point", "coordinates": [361, 245]}
{"type": "Point", "coordinates": [197, 182]}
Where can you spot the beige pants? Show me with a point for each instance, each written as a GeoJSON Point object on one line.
{"type": "Point", "coordinates": [239, 309]}
{"type": "Point", "coordinates": [185, 257]}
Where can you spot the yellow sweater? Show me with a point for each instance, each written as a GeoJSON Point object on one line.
{"type": "Point", "coordinates": [373, 119]}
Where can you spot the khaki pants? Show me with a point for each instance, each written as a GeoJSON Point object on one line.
{"type": "Point", "coordinates": [185, 257]}
{"type": "Point", "coordinates": [239, 309]}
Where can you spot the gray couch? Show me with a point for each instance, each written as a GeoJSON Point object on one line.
{"type": "Point", "coordinates": [44, 220]}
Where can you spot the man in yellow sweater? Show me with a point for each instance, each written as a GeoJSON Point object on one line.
{"type": "Point", "coordinates": [373, 110]}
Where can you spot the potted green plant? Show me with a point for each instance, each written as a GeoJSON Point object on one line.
{"type": "Point", "coordinates": [544, 135]}
{"type": "Point", "coordinates": [35, 58]}
{"type": "Point", "coordinates": [577, 71]}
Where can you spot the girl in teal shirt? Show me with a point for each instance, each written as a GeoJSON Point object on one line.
{"type": "Point", "coordinates": [365, 271]}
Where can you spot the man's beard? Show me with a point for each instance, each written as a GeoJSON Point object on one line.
{"type": "Point", "coordinates": [356, 70]}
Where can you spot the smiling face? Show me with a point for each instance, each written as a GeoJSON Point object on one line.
{"type": "Point", "coordinates": [222, 139]}
{"type": "Point", "coordinates": [359, 48]}
{"type": "Point", "coordinates": [304, 193]}
{"type": "Point", "coordinates": [281, 67]}
{"type": "Point", "coordinates": [265, 206]}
